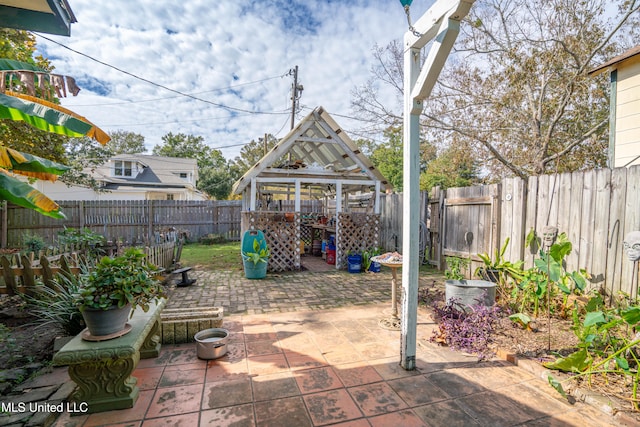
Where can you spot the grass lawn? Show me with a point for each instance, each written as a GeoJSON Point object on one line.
{"type": "Point", "coordinates": [221, 256]}
{"type": "Point", "coordinates": [226, 256]}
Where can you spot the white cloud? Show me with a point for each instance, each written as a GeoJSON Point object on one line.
{"type": "Point", "coordinates": [213, 49]}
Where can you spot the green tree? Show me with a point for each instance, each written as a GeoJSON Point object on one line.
{"type": "Point", "coordinates": [517, 89]}
{"type": "Point", "coordinates": [83, 157]}
{"type": "Point", "coordinates": [250, 154]}
{"type": "Point", "coordinates": [455, 167]}
{"type": "Point", "coordinates": [123, 142]}
{"type": "Point", "coordinates": [21, 46]}
{"type": "Point", "coordinates": [215, 182]}
{"type": "Point", "coordinates": [387, 156]}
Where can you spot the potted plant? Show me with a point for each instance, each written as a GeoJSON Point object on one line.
{"type": "Point", "coordinates": [466, 292]}
{"type": "Point", "coordinates": [255, 262]}
{"type": "Point", "coordinates": [114, 288]}
{"type": "Point", "coordinates": [498, 269]}
{"type": "Point", "coordinates": [370, 265]}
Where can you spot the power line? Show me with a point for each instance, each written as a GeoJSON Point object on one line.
{"type": "Point", "coordinates": [154, 83]}
{"type": "Point", "coordinates": [171, 97]}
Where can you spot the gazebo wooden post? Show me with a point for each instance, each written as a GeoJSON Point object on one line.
{"type": "Point", "coordinates": [376, 200]}
{"type": "Point", "coordinates": [252, 199]}
{"type": "Point", "coordinates": [297, 199]}
{"type": "Point", "coordinates": [338, 230]}
{"type": "Point", "coordinates": [441, 23]}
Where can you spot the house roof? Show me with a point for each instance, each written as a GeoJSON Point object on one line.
{"type": "Point", "coordinates": [615, 61]}
{"type": "Point", "coordinates": [158, 170]}
{"type": "Point", "coordinates": [319, 149]}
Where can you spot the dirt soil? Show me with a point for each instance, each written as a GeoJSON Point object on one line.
{"type": "Point", "coordinates": [25, 346]}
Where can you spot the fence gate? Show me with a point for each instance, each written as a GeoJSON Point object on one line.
{"type": "Point", "coordinates": [465, 222]}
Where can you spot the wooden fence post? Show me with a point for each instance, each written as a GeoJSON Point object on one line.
{"type": "Point", "coordinates": [5, 231]}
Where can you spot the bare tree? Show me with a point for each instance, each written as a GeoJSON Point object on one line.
{"type": "Point", "coordinates": [517, 87]}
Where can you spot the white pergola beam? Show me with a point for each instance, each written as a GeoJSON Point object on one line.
{"type": "Point", "coordinates": [441, 21]}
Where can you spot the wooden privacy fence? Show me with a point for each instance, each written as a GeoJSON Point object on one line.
{"type": "Point", "coordinates": [595, 208]}
{"type": "Point", "coordinates": [126, 220]}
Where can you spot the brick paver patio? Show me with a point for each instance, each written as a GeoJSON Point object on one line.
{"type": "Point", "coordinates": [306, 350]}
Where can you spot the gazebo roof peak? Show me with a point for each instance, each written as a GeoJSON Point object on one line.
{"type": "Point", "coordinates": [316, 146]}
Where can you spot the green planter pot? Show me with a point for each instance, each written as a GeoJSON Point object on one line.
{"type": "Point", "coordinates": [255, 271]}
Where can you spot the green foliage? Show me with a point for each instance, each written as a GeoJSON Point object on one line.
{"type": "Point", "coordinates": [260, 252]}
{"type": "Point", "coordinates": [125, 279]}
{"type": "Point", "coordinates": [607, 345]}
{"type": "Point", "coordinates": [124, 142]}
{"type": "Point", "coordinates": [539, 285]}
{"type": "Point", "coordinates": [455, 267]}
{"type": "Point", "coordinates": [387, 157]}
{"type": "Point", "coordinates": [32, 242]}
{"type": "Point", "coordinates": [454, 167]}
{"type": "Point", "coordinates": [56, 305]}
{"type": "Point", "coordinates": [250, 154]}
{"type": "Point", "coordinates": [83, 155]}
{"type": "Point", "coordinates": [73, 236]}
{"type": "Point", "coordinates": [506, 272]}
{"type": "Point", "coordinates": [212, 239]}
{"type": "Point", "coordinates": [221, 256]}
{"type": "Point", "coordinates": [215, 182]}
{"type": "Point", "coordinates": [368, 254]}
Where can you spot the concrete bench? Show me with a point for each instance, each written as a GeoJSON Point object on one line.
{"type": "Point", "coordinates": [102, 370]}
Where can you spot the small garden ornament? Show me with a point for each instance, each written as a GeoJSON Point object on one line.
{"type": "Point", "coordinates": [549, 235]}
{"type": "Point", "coordinates": [631, 246]}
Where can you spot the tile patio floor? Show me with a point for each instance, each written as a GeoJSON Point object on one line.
{"type": "Point", "coordinates": [335, 367]}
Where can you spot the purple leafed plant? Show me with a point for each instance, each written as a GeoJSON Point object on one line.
{"type": "Point", "coordinates": [464, 328]}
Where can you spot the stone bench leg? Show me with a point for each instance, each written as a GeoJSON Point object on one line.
{"type": "Point", "coordinates": [151, 346]}
{"type": "Point", "coordinates": [106, 385]}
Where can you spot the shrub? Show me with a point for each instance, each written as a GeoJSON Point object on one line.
{"type": "Point", "coordinates": [465, 329]}
{"type": "Point", "coordinates": [32, 242]}
{"type": "Point", "coordinates": [56, 305]}
{"type": "Point", "coordinates": [212, 239]}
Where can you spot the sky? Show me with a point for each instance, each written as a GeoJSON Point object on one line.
{"type": "Point", "coordinates": [235, 56]}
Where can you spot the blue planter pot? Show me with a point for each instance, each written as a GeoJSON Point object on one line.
{"type": "Point", "coordinates": [255, 271]}
{"type": "Point", "coordinates": [355, 263]}
{"type": "Point", "coordinates": [375, 267]}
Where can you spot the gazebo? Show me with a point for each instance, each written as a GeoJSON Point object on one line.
{"type": "Point", "coordinates": [317, 161]}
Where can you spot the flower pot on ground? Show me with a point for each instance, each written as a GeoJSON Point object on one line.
{"type": "Point", "coordinates": [369, 264]}
{"type": "Point", "coordinates": [470, 292]}
{"type": "Point", "coordinates": [124, 282]}
{"type": "Point", "coordinates": [255, 261]}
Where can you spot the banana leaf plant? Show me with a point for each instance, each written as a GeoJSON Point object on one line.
{"type": "Point", "coordinates": [44, 115]}
{"type": "Point", "coordinates": [21, 193]}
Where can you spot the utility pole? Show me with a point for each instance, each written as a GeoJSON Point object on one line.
{"type": "Point", "coordinates": [264, 144]}
{"type": "Point", "coordinates": [296, 92]}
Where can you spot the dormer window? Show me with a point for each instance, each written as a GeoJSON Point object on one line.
{"type": "Point", "coordinates": [184, 175]}
{"type": "Point", "coordinates": [123, 168]}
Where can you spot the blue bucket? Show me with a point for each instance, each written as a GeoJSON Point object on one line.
{"type": "Point", "coordinates": [375, 267]}
{"type": "Point", "coordinates": [355, 263]}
